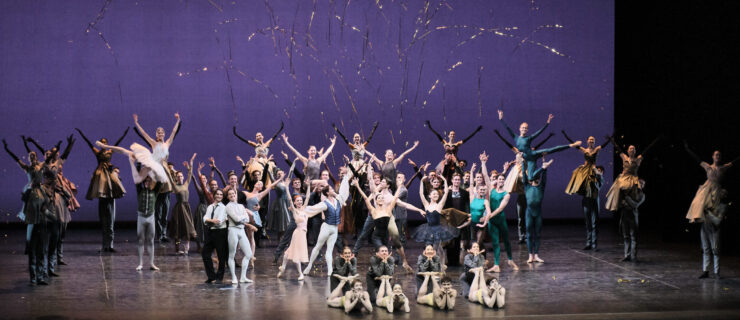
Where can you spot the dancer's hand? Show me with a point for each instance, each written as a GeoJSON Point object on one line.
{"type": "Point", "coordinates": [416, 143]}
{"type": "Point", "coordinates": [411, 162]}
{"type": "Point", "coordinates": [473, 167]}
{"type": "Point", "coordinates": [185, 164]}
{"type": "Point", "coordinates": [285, 137]}
{"type": "Point", "coordinates": [201, 165]}
{"type": "Point", "coordinates": [238, 158]}
{"type": "Point", "coordinates": [177, 115]}
{"type": "Point", "coordinates": [136, 118]}
{"type": "Point", "coordinates": [285, 155]}
{"type": "Point", "coordinates": [500, 114]}
{"type": "Point", "coordinates": [549, 118]}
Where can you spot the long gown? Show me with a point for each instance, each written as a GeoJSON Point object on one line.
{"type": "Point", "coordinates": [584, 178]}
{"type": "Point", "coordinates": [298, 249]}
{"type": "Point", "coordinates": [278, 219]}
{"type": "Point", "coordinates": [105, 182]}
{"type": "Point", "coordinates": [707, 196]}
{"type": "Point", "coordinates": [626, 180]}
{"type": "Point", "coordinates": [181, 225]}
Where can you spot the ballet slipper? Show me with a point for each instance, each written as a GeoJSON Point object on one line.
{"type": "Point", "coordinates": [234, 281]}
{"type": "Point", "coordinates": [537, 259]}
{"type": "Point", "coordinates": [546, 164]}
{"type": "Point", "coordinates": [138, 268]}
{"type": "Point", "coordinates": [280, 271]}
{"type": "Point", "coordinates": [245, 280]}
{"type": "Point", "coordinates": [300, 278]}
{"type": "Point", "coordinates": [153, 268]}
{"type": "Point", "coordinates": [512, 265]}
{"type": "Point", "coordinates": [530, 260]}
{"type": "Point", "coordinates": [307, 271]}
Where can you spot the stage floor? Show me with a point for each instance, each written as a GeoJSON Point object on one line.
{"type": "Point", "coordinates": [572, 284]}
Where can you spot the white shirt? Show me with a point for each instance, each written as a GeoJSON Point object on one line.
{"type": "Point", "coordinates": [236, 213]}
{"type": "Point", "coordinates": [216, 211]}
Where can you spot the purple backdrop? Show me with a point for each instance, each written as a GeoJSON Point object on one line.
{"type": "Point", "coordinates": [255, 63]}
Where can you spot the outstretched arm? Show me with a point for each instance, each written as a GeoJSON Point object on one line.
{"type": "Point", "coordinates": [12, 155]}
{"type": "Point", "coordinates": [252, 144]}
{"type": "Point", "coordinates": [605, 143]}
{"type": "Point", "coordinates": [421, 193]}
{"type": "Point", "coordinates": [140, 131]}
{"type": "Point", "coordinates": [322, 158]}
{"type": "Point", "coordinates": [92, 147]}
{"type": "Point", "coordinates": [511, 146]}
{"type": "Point", "coordinates": [398, 160]}
{"type": "Point", "coordinates": [543, 141]}
{"type": "Point", "coordinates": [690, 152]}
{"type": "Point", "coordinates": [506, 126]}
{"type": "Point", "coordinates": [472, 134]}
{"type": "Point", "coordinates": [54, 153]}
{"type": "Point", "coordinates": [567, 137]}
{"type": "Point", "coordinates": [268, 142]}
{"type": "Point", "coordinates": [125, 132]}
{"type": "Point", "coordinates": [68, 149]}
{"type": "Point", "coordinates": [616, 145]}
{"type": "Point", "coordinates": [539, 132]}
{"type": "Point", "coordinates": [372, 132]}
{"type": "Point", "coordinates": [439, 136]}
{"type": "Point", "coordinates": [340, 134]}
{"type": "Point", "coordinates": [114, 148]}
{"type": "Point", "coordinates": [298, 154]}
{"type": "Point", "coordinates": [650, 145]}
{"type": "Point", "coordinates": [32, 140]}
{"type": "Point", "coordinates": [356, 183]}
{"type": "Point", "coordinates": [175, 129]}
{"type": "Point", "coordinates": [25, 144]}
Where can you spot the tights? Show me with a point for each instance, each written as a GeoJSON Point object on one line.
{"type": "Point", "coordinates": [238, 237]}
{"type": "Point", "coordinates": [145, 235]}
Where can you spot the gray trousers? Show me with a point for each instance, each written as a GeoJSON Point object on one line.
{"type": "Point", "coordinates": [107, 216]}
{"type": "Point", "coordinates": [145, 237]}
{"type": "Point", "coordinates": [591, 217]}
{"type": "Point", "coordinates": [629, 224]}
{"type": "Point", "coordinates": [367, 230]}
{"type": "Point", "coordinates": [710, 245]}
{"type": "Point", "coordinates": [53, 228]}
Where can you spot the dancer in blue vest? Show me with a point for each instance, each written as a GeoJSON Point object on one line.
{"type": "Point", "coordinates": [534, 189]}
{"type": "Point", "coordinates": [332, 208]}
{"type": "Point", "coordinates": [523, 143]}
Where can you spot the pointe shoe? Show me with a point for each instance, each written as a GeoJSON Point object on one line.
{"type": "Point", "coordinates": [307, 270]}
{"type": "Point", "coordinates": [153, 268]}
{"type": "Point", "coordinates": [234, 281]}
{"type": "Point", "coordinates": [537, 259]}
{"type": "Point", "coordinates": [513, 265]}
{"type": "Point", "coordinates": [495, 268]}
{"type": "Point", "coordinates": [280, 271]}
{"type": "Point", "coordinates": [245, 280]}
{"type": "Point", "coordinates": [139, 268]}
{"type": "Point", "coordinates": [300, 278]}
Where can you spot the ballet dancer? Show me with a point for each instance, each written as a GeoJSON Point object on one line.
{"type": "Point", "coordinates": [355, 299]}
{"type": "Point", "coordinates": [628, 178]}
{"type": "Point", "coordinates": [261, 147]}
{"type": "Point", "coordinates": [496, 220]}
{"type": "Point", "coordinates": [534, 190]}
{"type": "Point", "coordinates": [433, 232]}
{"type": "Point", "coordinates": [146, 196]}
{"type": "Point", "coordinates": [381, 264]}
{"type": "Point", "coordinates": [492, 295]}
{"type": "Point", "coordinates": [344, 266]}
{"type": "Point", "coordinates": [428, 261]}
{"type": "Point", "coordinates": [451, 146]}
{"type": "Point", "coordinates": [710, 235]}
{"type": "Point", "coordinates": [238, 220]}
{"type": "Point", "coordinates": [391, 299]}
{"type": "Point", "coordinates": [707, 195]}
{"type": "Point", "coordinates": [297, 252]}
{"type": "Point", "coordinates": [106, 187]}
{"type": "Point", "coordinates": [182, 228]}
{"type": "Point", "coordinates": [388, 167]}
{"type": "Point", "coordinates": [442, 296]}
{"type": "Point", "coordinates": [357, 146]}
{"type": "Point", "coordinates": [474, 261]}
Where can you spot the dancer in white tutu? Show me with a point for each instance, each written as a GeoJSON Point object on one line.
{"type": "Point", "coordinates": [154, 160]}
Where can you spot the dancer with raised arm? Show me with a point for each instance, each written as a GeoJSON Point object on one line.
{"type": "Point", "coordinates": [496, 220]}
{"type": "Point", "coordinates": [311, 164]}
{"type": "Point", "coordinates": [357, 146]}
{"type": "Point", "coordinates": [331, 208]}
{"type": "Point", "coordinates": [297, 252]}
{"type": "Point", "coordinates": [433, 232]}
{"type": "Point", "coordinates": [388, 167]}
{"type": "Point", "coordinates": [260, 146]}
{"type": "Point", "coordinates": [628, 178]}
{"type": "Point", "coordinates": [523, 143]}
{"type": "Point", "coordinates": [707, 196]}
{"type": "Point", "coordinates": [182, 229]}
{"type": "Point", "coordinates": [450, 145]}
{"type": "Point", "coordinates": [629, 220]}
{"type": "Point", "coordinates": [106, 187]}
